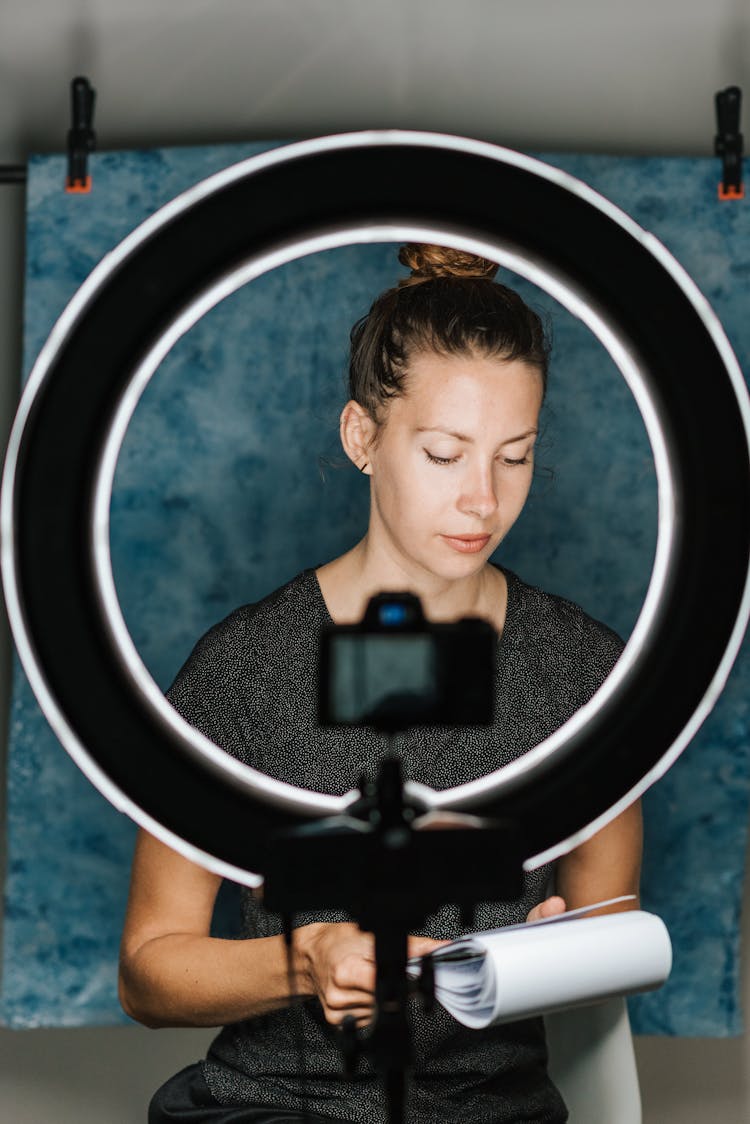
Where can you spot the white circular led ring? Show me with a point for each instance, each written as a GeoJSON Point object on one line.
{"type": "Point", "coordinates": [238, 224]}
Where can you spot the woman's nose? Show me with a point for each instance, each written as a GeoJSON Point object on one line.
{"type": "Point", "coordinates": [480, 499]}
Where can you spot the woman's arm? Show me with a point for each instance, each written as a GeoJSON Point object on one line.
{"type": "Point", "coordinates": [174, 973]}
{"type": "Point", "coordinates": [606, 866]}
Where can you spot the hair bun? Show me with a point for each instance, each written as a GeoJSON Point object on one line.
{"type": "Point", "coordinates": [427, 262]}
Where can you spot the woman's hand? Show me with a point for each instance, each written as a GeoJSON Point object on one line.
{"type": "Point", "coordinates": [341, 968]}
{"type": "Point", "coordinates": [550, 907]}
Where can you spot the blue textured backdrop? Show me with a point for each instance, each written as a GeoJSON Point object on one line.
{"type": "Point", "coordinates": [231, 480]}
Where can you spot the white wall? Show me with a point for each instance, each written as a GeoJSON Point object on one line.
{"type": "Point", "coordinates": [583, 75]}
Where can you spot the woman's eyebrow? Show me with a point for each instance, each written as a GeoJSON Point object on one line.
{"type": "Point", "coordinates": [463, 437]}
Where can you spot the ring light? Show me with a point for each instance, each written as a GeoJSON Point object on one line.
{"type": "Point", "coordinates": [265, 211]}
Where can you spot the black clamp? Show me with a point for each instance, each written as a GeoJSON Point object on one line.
{"type": "Point", "coordinates": [728, 142]}
{"type": "Point", "coordinates": [81, 136]}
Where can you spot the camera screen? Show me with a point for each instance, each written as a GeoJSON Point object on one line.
{"type": "Point", "coordinates": [373, 676]}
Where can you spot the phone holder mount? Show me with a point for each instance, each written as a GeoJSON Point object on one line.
{"type": "Point", "coordinates": [389, 875]}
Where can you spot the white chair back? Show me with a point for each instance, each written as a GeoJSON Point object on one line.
{"type": "Point", "coordinates": [592, 1062]}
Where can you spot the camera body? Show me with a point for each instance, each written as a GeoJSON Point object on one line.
{"type": "Point", "coordinates": [394, 669]}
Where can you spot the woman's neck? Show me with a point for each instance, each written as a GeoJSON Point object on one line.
{"type": "Point", "coordinates": [348, 582]}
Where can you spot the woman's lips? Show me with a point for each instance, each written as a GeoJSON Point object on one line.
{"type": "Point", "coordinates": [467, 544]}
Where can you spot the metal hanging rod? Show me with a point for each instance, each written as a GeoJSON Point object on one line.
{"type": "Point", "coordinates": [12, 173]}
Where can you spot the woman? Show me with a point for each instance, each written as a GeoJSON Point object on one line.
{"type": "Point", "coordinates": [447, 377]}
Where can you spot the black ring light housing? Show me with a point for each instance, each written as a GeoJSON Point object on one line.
{"type": "Point", "coordinates": [376, 186]}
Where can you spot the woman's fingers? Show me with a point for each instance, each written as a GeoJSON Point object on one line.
{"type": "Point", "coordinates": [550, 907]}
{"type": "Point", "coordinates": [337, 1003]}
{"type": "Point", "coordinates": [354, 973]}
{"type": "Point", "coordinates": [420, 946]}
{"type": "Point", "coordinates": [339, 998]}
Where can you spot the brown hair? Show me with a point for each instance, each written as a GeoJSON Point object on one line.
{"type": "Point", "coordinates": [449, 304]}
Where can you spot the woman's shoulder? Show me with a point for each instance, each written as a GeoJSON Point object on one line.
{"type": "Point", "coordinates": [562, 621]}
{"type": "Point", "coordinates": [250, 633]}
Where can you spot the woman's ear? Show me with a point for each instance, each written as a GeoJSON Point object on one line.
{"type": "Point", "coordinates": [357, 431]}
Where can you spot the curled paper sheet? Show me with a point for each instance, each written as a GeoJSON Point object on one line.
{"type": "Point", "coordinates": [569, 961]}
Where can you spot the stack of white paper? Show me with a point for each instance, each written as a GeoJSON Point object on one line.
{"type": "Point", "coordinates": [565, 961]}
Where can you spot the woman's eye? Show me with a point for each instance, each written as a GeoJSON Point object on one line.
{"type": "Point", "coordinates": [509, 462]}
{"type": "Point", "coordinates": [440, 460]}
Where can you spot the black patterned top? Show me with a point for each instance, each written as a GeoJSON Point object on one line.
{"type": "Point", "coordinates": [250, 685]}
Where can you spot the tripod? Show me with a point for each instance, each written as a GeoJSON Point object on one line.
{"type": "Point", "coordinates": [389, 877]}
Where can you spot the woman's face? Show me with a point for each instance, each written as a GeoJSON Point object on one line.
{"type": "Point", "coordinates": [453, 462]}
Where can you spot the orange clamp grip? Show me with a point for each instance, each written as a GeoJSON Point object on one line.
{"type": "Point", "coordinates": [78, 187]}
{"type": "Point", "coordinates": [731, 192]}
